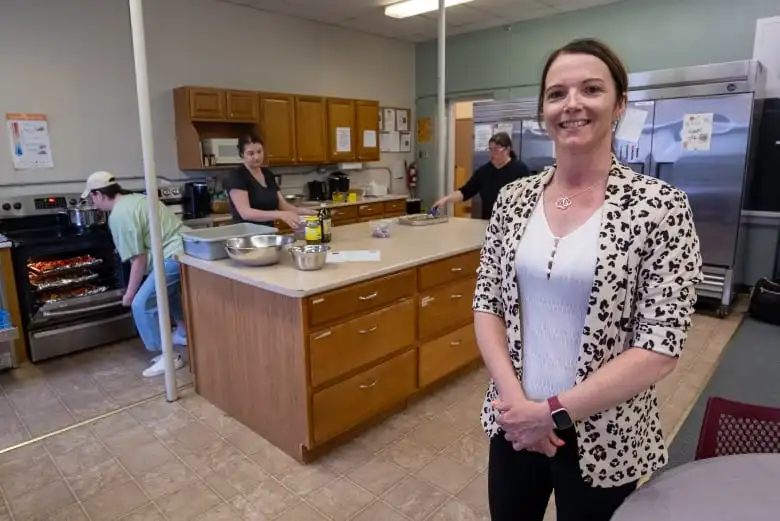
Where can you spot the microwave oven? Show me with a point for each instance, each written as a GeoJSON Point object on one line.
{"type": "Point", "coordinates": [224, 151]}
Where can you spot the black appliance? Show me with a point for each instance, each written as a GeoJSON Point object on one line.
{"type": "Point", "coordinates": [196, 200]}
{"type": "Point", "coordinates": [318, 191]}
{"type": "Point", "coordinates": [413, 206]}
{"type": "Point", "coordinates": [338, 182]}
{"type": "Point", "coordinates": [69, 280]}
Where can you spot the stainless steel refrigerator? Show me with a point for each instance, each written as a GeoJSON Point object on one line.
{"type": "Point", "coordinates": [714, 169]}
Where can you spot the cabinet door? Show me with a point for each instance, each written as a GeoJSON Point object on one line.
{"type": "Point", "coordinates": [367, 130]}
{"type": "Point", "coordinates": [207, 104]}
{"type": "Point", "coordinates": [341, 129]}
{"type": "Point", "coordinates": [277, 124]}
{"type": "Point", "coordinates": [311, 136]}
{"type": "Point", "coordinates": [242, 106]}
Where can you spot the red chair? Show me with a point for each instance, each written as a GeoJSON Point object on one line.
{"type": "Point", "coordinates": [731, 428]}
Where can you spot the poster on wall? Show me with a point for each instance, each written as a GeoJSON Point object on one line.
{"type": "Point", "coordinates": [482, 135]}
{"type": "Point", "coordinates": [28, 135]}
{"type": "Point", "coordinates": [425, 130]}
{"type": "Point", "coordinates": [697, 132]}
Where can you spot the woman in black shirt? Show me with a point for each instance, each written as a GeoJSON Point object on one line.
{"type": "Point", "coordinates": [253, 193]}
{"type": "Point", "coordinates": [490, 178]}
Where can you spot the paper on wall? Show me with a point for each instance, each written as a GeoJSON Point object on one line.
{"type": "Point", "coordinates": [343, 139]}
{"type": "Point", "coordinates": [388, 118]}
{"type": "Point", "coordinates": [503, 127]}
{"type": "Point", "coordinates": [369, 139]}
{"type": "Point", "coordinates": [482, 135]}
{"type": "Point", "coordinates": [28, 136]}
{"type": "Point", "coordinates": [697, 132]}
{"type": "Point", "coordinates": [402, 120]}
{"type": "Point", "coordinates": [630, 127]}
{"type": "Point", "coordinates": [406, 142]}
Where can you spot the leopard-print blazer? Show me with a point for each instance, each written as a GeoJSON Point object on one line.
{"type": "Point", "coordinates": [643, 296]}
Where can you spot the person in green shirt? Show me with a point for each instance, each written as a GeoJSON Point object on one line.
{"type": "Point", "coordinates": [128, 221]}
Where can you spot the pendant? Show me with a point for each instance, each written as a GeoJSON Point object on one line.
{"type": "Point", "coordinates": [563, 203]}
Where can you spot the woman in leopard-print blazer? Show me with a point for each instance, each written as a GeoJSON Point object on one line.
{"type": "Point", "coordinates": [584, 295]}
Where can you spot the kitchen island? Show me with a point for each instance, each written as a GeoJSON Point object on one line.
{"type": "Point", "coordinates": [306, 359]}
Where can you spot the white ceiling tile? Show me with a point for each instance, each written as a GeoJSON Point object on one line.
{"type": "Point", "coordinates": [575, 5]}
{"type": "Point", "coordinates": [460, 15]}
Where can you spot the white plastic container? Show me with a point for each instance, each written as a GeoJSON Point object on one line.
{"type": "Point", "coordinates": [209, 243]}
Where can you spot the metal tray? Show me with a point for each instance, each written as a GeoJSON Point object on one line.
{"type": "Point", "coordinates": [422, 219]}
{"type": "Point", "coordinates": [209, 243]}
{"type": "Point", "coordinates": [63, 282]}
{"type": "Point", "coordinates": [86, 292]}
{"type": "Point", "coordinates": [62, 269]}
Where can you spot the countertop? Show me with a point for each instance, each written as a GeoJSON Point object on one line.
{"type": "Point", "coordinates": [408, 247]}
{"type": "Point", "coordinates": [224, 217]}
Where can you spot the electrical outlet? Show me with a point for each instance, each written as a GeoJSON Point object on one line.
{"type": "Point", "coordinates": [422, 154]}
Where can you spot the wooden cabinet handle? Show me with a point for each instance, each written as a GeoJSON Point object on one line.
{"type": "Point", "coordinates": [456, 270]}
{"type": "Point", "coordinates": [366, 331]}
{"type": "Point", "coordinates": [368, 297]}
{"type": "Point", "coordinates": [455, 296]}
{"type": "Point", "coordinates": [455, 343]}
{"type": "Point", "coordinates": [368, 385]}
{"type": "Point", "coordinates": [322, 335]}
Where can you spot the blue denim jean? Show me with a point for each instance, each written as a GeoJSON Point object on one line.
{"type": "Point", "coordinates": [144, 305]}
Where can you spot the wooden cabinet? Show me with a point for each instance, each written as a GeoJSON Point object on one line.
{"type": "Point", "coordinates": [341, 130]}
{"type": "Point", "coordinates": [395, 208]}
{"type": "Point", "coordinates": [277, 127]}
{"type": "Point", "coordinates": [296, 129]}
{"type": "Point", "coordinates": [367, 130]}
{"type": "Point", "coordinates": [311, 140]}
{"type": "Point", "coordinates": [371, 210]}
{"type": "Point", "coordinates": [242, 106]}
{"type": "Point", "coordinates": [444, 355]}
{"type": "Point", "coordinates": [445, 307]}
{"type": "Point", "coordinates": [206, 104]}
{"type": "Point", "coordinates": [342, 214]}
{"type": "Point", "coordinates": [447, 270]}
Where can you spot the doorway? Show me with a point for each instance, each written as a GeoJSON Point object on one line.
{"type": "Point", "coordinates": [462, 150]}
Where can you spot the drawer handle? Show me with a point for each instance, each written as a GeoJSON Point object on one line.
{"type": "Point", "coordinates": [368, 297]}
{"type": "Point", "coordinates": [368, 385]}
{"type": "Point", "coordinates": [323, 335]}
{"type": "Point", "coordinates": [366, 331]}
{"type": "Point", "coordinates": [455, 343]}
{"type": "Point", "coordinates": [456, 296]}
{"type": "Point", "coordinates": [456, 270]}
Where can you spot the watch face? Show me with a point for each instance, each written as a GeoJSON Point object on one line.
{"type": "Point", "coordinates": [562, 420]}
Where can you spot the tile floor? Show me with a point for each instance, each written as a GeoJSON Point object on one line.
{"type": "Point", "coordinates": [189, 461]}
{"type": "Point", "coordinates": [39, 399]}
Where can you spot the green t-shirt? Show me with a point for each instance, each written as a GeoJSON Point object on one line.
{"type": "Point", "coordinates": [129, 224]}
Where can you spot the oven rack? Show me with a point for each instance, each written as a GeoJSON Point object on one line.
{"type": "Point", "coordinates": [63, 282]}
{"type": "Point", "coordinates": [68, 267]}
{"type": "Point", "coordinates": [85, 293]}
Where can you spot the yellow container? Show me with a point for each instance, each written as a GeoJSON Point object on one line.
{"type": "Point", "coordinates": [338, 197]}
{"type": "Point", "coordinates": [312, 229]}
{"type": "Point", "coordinates": [352, 197]}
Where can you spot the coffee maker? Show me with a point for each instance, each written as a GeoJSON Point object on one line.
{"type": "Point", "coordinates": [196, 200]}
{"type": "Point", "coordinates": [338, 182]}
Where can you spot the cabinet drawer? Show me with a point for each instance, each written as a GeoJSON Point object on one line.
{"type": "Point", "coordinates": [395, 206]}
{"type": "Point", "coordinates": [360, 341]}
{"type": "Point", "coordinates": [453, 268]}
{"type": "Point", "coordinates": [343, 213]}
{"type": "Point", "coordinates": [445, 307]}
{"type": "Point", "coordinates": [349, 403]}
{"type": "Point", "coordinates": [371, 209]}
{"type": "Point", "coordinates": [361, 297]}
{"type": "Point", "coordinates": [447, 354]}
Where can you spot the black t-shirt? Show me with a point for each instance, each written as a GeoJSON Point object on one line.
{"type": "Point", "coordinates": [260, 197]}
{"type": "Point", "coordinates": [488, 180]}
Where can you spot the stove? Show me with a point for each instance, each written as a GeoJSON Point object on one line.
{"type": "Point", "coordinates": [69, 280]}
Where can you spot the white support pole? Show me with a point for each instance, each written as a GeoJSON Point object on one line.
{"type": "Point", "coordinates": [441, 119]}
{"type": "Point", "coordinates": [150, 179]}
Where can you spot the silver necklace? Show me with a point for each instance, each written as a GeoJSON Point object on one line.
{"type": "Point", "coordinates": [564, 202]}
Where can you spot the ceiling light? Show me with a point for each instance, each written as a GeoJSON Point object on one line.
{"type": "Point", "coordinates": [409, 8]}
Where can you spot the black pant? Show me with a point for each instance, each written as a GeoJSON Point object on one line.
{"type": "Point", "coordinates": [520, 485]}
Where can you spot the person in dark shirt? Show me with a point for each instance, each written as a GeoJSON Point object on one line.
{"type": "Point", "coordinates": [490, 178]}
{"type": "Point", "coordinates": [253, 193]}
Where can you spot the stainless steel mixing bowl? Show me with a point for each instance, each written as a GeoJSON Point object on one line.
{"type": "Point", "coordinates": [309, 258]}
{"type": "Point", "coordinates": [257, 250]}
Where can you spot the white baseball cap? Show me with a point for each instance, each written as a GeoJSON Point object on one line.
{"type": "Point", "coordinates": [97, 181]}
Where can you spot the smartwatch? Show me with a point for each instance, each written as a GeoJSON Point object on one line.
{"type": "Point", "coordinates": [560, 416]}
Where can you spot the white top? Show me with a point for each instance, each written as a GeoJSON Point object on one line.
{"type": "Point", "coordinates": [555, 277]}
{"type": "Point", "coordinates": [407, 247]}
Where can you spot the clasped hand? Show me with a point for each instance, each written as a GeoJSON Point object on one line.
{"type": "Point", "coordinates": [528, 425]}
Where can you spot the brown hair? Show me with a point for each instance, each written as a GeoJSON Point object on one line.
{"type": "Point", "coordinates": [502, 139]}
{"type": "Point", "coordinates": [593, 48]}
{"type": "Point", "coordinates": [248, 139]}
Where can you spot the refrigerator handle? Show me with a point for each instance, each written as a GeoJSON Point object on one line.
{"type": "Point", "coordinates": [657, 170]}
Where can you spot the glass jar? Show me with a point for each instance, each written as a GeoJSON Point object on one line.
{"type": "Point", "coordinates": [312, 229]}
{"type": "Point", "coordinates": [326, 221]}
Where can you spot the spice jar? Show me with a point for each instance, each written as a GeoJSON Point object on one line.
{"type": "Point", "coordinates": [312, 229]}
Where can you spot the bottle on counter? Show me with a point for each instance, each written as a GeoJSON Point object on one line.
{"type": "Point", "coordinates": [312, 229]}
{"type": "Point", "coordinates": [326, 222]}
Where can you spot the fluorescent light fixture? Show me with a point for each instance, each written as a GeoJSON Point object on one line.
{"type": "Point", "coordinates": [409, 8]}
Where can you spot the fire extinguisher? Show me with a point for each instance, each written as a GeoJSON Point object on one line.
{"type": "Point", "coordinates": [411, 178]}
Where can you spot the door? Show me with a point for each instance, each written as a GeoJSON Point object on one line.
{"type": "Point", "coordinates": [464, 155]}
{"type": "Point", "coordinates": [242, 106]}
{"type": "Point", "coordinates": [277, 124]}
{"type": "Point", "coordinates": [207, 104]}
{"type": "Point", "coordinates": [636, 153]}
{"type": "Point", "coordinates": [537, 150]}
{"type": "Point", "coordinates": [341, 129]}
{"type": "Point", "coordinates": [367, 130]}
{"type": "Point", "coordinates": [713, 175]}
{"type": "Point", "coordinates": [311, 141]}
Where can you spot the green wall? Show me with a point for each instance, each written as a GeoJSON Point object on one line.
{"type": "Point", "coordinates": [648, 34]}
